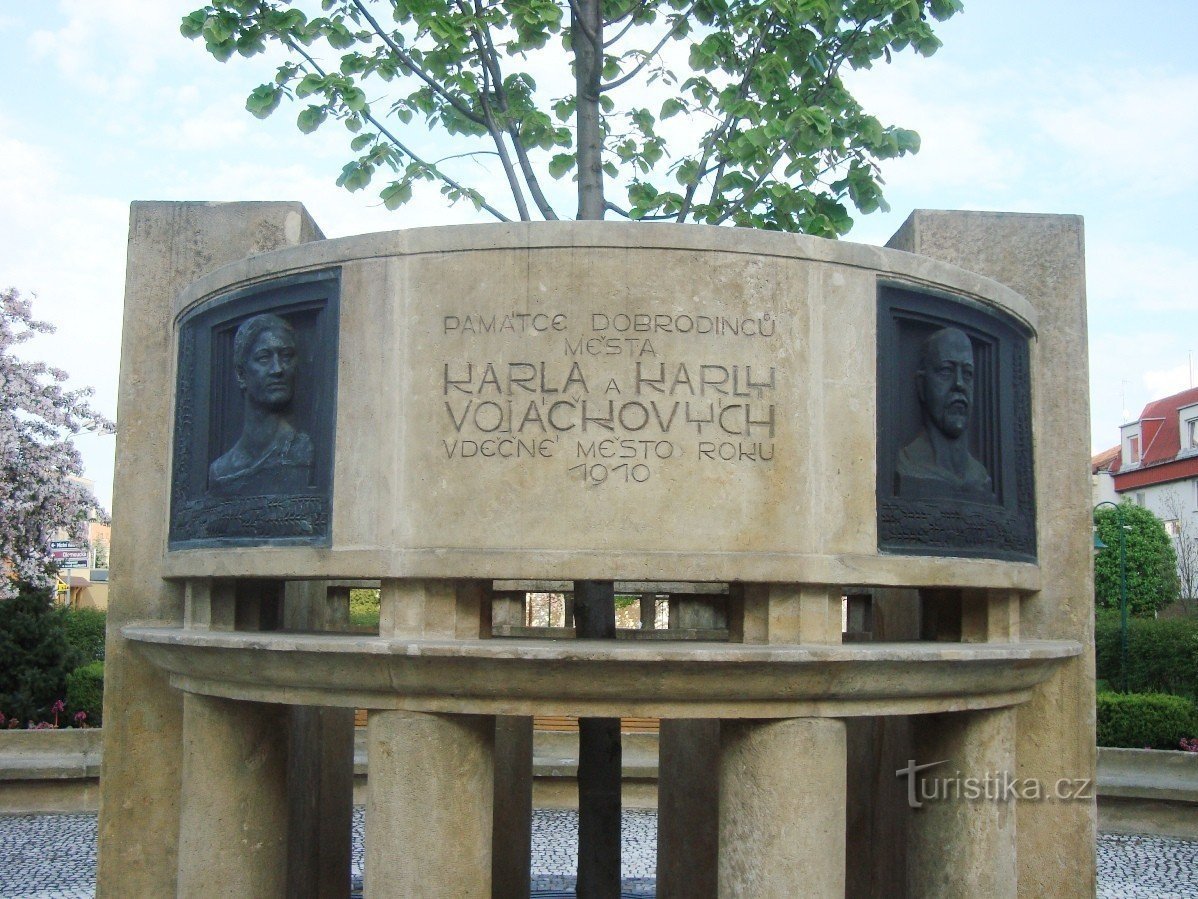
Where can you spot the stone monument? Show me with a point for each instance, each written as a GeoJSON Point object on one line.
{"type": "Point", "coordinates": [438, 409]}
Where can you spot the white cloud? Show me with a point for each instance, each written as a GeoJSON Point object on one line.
{"type": "Point", "coordinates": [1141, 276]}
{"type": "Point", "coordinates": [1126, 130]}
{"type": "Point", "coordinates": [1162, 382]}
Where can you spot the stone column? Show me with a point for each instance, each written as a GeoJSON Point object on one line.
{"type": "Point", "coordinates": [320, 769]}
{"type": "Point", "coordinates": [511, 844]}
{"type": "Point", "coordinates": [170, 244]}
{"type": "Point", "coordinates": [648, 609]}
{"type": "Point", "coordinates": [1042, 257]}
{"type": "Point", "coordinates": [429, 805]}
{"type": "Point", "coordinates": [877, 814]}
{"type": "Point", "coordinates": [233, 812]}
{"type": "Point", "coordinates": [782, 808]}
{"type": "Point", "coordinates": [688, 802]}
{"type": "Point", "coordinates": [962, 840]}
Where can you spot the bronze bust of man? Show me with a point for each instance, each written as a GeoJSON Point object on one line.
{"type": "Point", "coordinates": [937, 463]}
{"type": "Point", "coordinates": [270, 455]}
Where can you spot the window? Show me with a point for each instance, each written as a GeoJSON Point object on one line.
{"type": "Point", "coordinates": [1192, 433]}
{"type": "Point", "coordinates": [1173, 527]}
{"type": "Point", "coordinates": [1139, 498]}
{"type": "Point", "coordinates": [1133, 450]}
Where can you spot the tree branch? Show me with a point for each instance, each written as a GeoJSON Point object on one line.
{"type": "Point", "coordinates": [387, 133]}
{"type": "Point", "coordinates": [579, 20]}
{"type": "Point", "coordinates": [644, 218]}
{"type": "Point", "coordinates": [416, 70]}
{"type": "Point", "coordinates": [530, 175]}
{"type": "Point", "coordinates": [624, 79]}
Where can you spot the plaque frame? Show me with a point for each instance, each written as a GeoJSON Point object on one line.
{"type": "Point", "coordinates": [208, 414]}
{"type": "Point", "coordinates": [1000, 429]}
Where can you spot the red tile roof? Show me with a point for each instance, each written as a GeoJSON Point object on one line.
{"type": "Point", "coordinates": [1160, 441]}
{"type": "Point", "coordinates": [1104, 460]}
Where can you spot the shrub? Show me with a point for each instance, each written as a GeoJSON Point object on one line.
{"type": "Point", "coordinates": [85, 692]}
{"type": "Point", "coordinates": [85, 632]}
{"type": "Point", "coordinates": [35, 657]}
{"type": "Point", "coordinates": [1151, 560]}
{"type": "Point", "coordinates": [1161, 654]}
{"type": "Point", "coordinates": [1145, 720]}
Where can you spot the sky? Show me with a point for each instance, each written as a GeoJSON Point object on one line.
{"type": "Point", "coordinates": [1075, 106]}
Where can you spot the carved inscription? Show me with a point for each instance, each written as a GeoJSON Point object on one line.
{"type": "Point", "coordinates": [607, 398]}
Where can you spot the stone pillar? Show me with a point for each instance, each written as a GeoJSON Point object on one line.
{"type": "Point", "coordinates": [233, 812]}
{"type": "Point", "coordinates": [963, 833]}
{"type": "Point", "coordinates": [320, 767]}
{"type": "Point", "coordinates": [170, 244]}
{"type": "Point", "coordinates": [1042, 257]}
{"type": "Point", "coordinates": [688, 802]}
{"type": "Point", "coordinates": [511, 844]}
{"type": "Point", "coordinates": [785, 613]}
{"type": "Point", "coordinates": [648, 611]}
{"type": "Point", "coordinates": [429, 805]}
{"type": "Point", "coordinates": [782, 808]}
{"type": "Point", "coordinates": [878, 818]}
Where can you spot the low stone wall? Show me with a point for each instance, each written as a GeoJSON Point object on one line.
{"type": "Point", "coordinates": [1139, 790]}
{"type": "Point", "coordinates": [49, 770]}
{"type": "Point", "coordinates": [1148, 791]}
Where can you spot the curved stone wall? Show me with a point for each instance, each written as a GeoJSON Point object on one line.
{"type": "Point", "coordinates": [565, 400]}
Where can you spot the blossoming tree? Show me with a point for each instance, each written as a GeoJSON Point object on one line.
{"type": "Point", "coordinates": [38, 459]}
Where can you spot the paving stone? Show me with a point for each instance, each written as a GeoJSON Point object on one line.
{"type": "Point", "coordinates": [54, 857]}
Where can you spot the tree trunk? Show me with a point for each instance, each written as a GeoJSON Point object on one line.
{"type": "Point", "coordinates": [586, 25]}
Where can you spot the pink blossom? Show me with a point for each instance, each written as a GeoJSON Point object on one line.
{"type": "Point", "coordinates": [37, 457]}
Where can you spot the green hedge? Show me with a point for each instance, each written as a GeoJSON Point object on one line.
{"type": "Point", "coordinates": [85, 692]}
{"type": "Point", "coordinates": [85, 632]}
{"type": "Point", "coordinates": [1145, 720]}
{"type": "Point", "coordinates": [364, 609]}
{"type": "Point", "coordinates": [1162, 654]}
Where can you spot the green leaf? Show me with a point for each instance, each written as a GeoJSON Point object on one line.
{"type": "Point", "coordinates": [672, 107]}
{"type": "Point", "coordinates": [309, 85]}
{"type": "Point", "coordinates": [354, 98]}
{"type": "Point", "coordinates": [311, 118]}
{"type": "Point", "coordinates": [396, 194]}
{"type": "Point", "coordinates": [560, 164]}
{"type": "Point", "coordinates": [360, 142]}
{"type": "Point", "coordinates": [264, 100]}
{"type": "Point", "coordinates": [192, 25]}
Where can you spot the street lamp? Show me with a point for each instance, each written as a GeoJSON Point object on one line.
{"type": "Point", "coordinates": [1122, 588]}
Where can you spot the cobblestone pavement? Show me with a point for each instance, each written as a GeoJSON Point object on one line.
{"type": "Point", "coordinates": [54, 857]}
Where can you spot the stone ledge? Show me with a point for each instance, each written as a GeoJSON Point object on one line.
{"type": "Point", "coordinates": [601, 678]}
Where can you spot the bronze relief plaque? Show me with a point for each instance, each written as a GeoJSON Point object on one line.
{"type": "Point", "coordinates": [254, 415]}
{"type": "Point", "coordinates": [954, 446]}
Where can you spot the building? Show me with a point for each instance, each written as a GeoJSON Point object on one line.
{"type": "Point", "coordinates": [1157, 468]}
{"type": "Point", "coordinates": [1102, 482]}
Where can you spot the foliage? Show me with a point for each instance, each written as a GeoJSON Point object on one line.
{"type": "Point", "coordinates": [1162, 654]}
{"type": "Point", "coordinates": [85, 632]}
{"type": "Point", "coordinates": [364, 609]}
{"type": "Point", "coordinates": [767, 134]}
{"type": "Point", "coordinates": [35, 657]}
{"type": "Point", "coordinates": [85, 692]}
{"type": "Point", "coordinates": [37, 457]}
{"type": "Point", "coordinates": [1145, 720]}
{"type": "Point", "coordinates": [1151, 561]}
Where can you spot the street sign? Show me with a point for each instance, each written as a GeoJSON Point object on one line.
{"type": "Point", "coordinates": [68, 555]}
